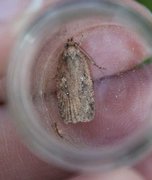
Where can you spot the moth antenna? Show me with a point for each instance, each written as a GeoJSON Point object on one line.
{"type": "Point", "coordinates": [95, 64]}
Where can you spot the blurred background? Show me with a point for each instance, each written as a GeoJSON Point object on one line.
{"type": "Point", "coordinates": [147, 3]}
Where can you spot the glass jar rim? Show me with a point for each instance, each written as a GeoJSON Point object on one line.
{"type": "Point", "coordinates": [22, 111]}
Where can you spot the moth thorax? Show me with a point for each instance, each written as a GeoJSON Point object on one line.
{"type": "Point", "coordinates": [71, 52]}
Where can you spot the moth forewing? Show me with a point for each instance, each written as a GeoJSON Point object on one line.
{"type": "Point", "coordinates": [75, 94]}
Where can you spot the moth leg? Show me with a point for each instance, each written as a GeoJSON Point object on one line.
{"type": "Point", "coordinates": [57, 130]}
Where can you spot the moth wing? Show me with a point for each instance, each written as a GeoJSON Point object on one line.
{"type": "Point", "coordinates": [75, 89]}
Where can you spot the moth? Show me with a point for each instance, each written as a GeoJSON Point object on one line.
{"type": "Point", "coordinates": [75, 93]}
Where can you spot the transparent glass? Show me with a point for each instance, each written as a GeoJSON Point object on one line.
{"type": "Point", "coordinates": [120, 133]}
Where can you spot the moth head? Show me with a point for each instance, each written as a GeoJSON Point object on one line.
{"type": "Point", "coordinates": [71, 42]}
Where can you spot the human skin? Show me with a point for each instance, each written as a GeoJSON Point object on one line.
{"type": "Point", "coordinates": [16, 161]}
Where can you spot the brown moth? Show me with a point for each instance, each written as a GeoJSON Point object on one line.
{"type": "Point", "coordinates": [75, 94]}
